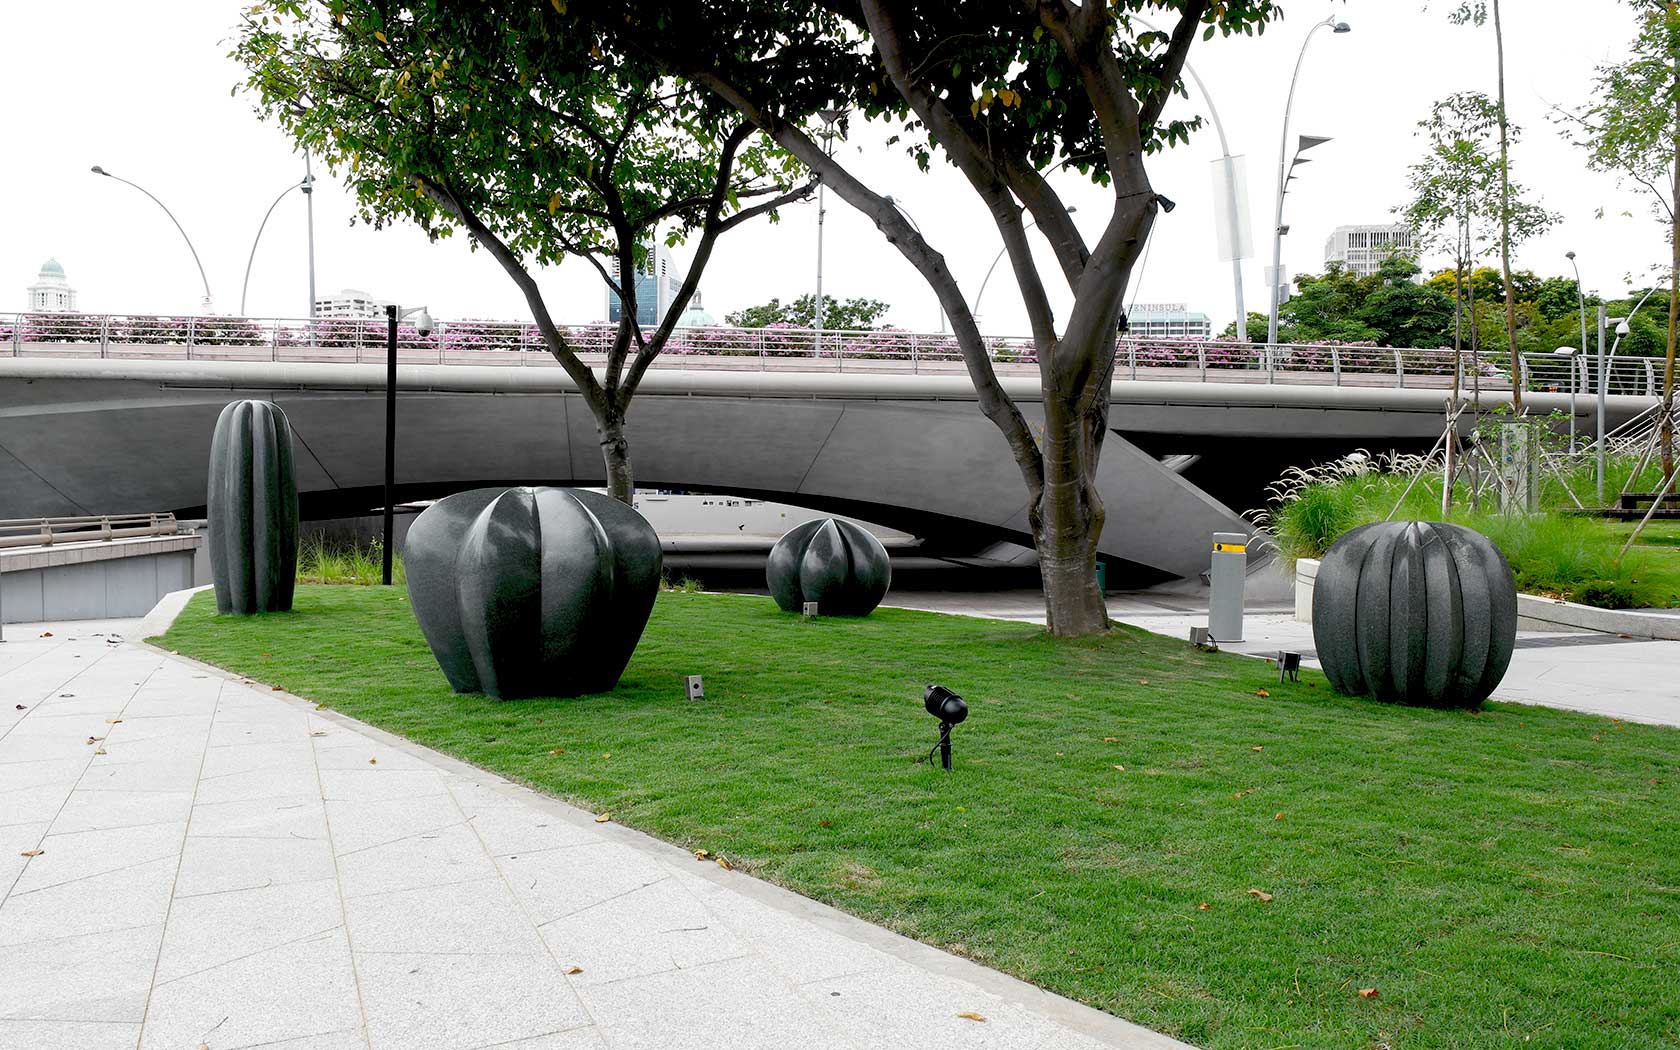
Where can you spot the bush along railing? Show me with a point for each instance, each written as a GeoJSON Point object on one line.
{"type": "Point", "coordinates": [483, 341]}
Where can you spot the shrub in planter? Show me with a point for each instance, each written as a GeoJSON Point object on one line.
{"type": "Point", "coordinates": [1415, 612]}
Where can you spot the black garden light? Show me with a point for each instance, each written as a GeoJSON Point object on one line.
{"type": "Point", "coordinates": [950, 709]}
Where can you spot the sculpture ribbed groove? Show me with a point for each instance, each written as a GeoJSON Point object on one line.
{"type": "Point", "coordinates": [838, 565]}
{"type": "Point", "coordinates": [252, 506]}
{"type": "Point", "coordinates": [1420, 613]}
{"type": "Point", "coordinates": [526, 592]}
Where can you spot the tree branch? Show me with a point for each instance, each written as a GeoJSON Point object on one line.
{"type": "Point", "coordinates": [1171, 66]}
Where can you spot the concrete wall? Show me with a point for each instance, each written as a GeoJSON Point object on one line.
{"type": "Point", "coordinates": [94, 581]}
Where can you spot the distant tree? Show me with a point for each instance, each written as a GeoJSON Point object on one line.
{"type": "Point", "coordinates": [1402, 312]}
{"type": "Point", "coordinates": [1326, 307]}
{"type": "Point", "coordinates": [839, 315]}
{"type": "Point", "coordinates": [1632, 128]}
{"type": "Point", "coordinates": [517, 125]}
{"type": "Point", "coordinates": [1257, 325]}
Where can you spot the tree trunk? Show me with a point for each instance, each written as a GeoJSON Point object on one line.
{"type": "Point", "coordinates": [615, 453]}
{"type": "Point", "coordinates": [1673, 304]}
{"type": "Point", "coordinates": [1505, 221]}
{"type": "Point", "coordinates": [1070, 521]}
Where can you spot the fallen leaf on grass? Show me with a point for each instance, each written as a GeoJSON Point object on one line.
{"type": "Point", "coordinates": [1279, 816]}
{"type": "Point", "coordinates": [825, 823]}
{"type": "Point", "coordinates": [1260, 895]}
{"type": "Point", "coordinates": [1257, 748]}
{"type": "Point", "coordinates": [573, 969]}
{"type": "Point", "coordinates": [558, 751]}
{"type": "Point", "coordinates": [1204, 906]}
{"type": "Point", "coordinates": [32, 852]}
{"type": "Point", "coordinates": [1261, 692]}
{"type": "Point", "coordinates": [606, 754]}
{"type": "Point", "coordinates": [1121, 768]}
{"type": "Point", "coordinates": [701, 854]}
{"type": "Point", "coordinates": [1143, 681]}
{"type": "Point", "coordinates": [1111, 740]}
{"type": "Point", "coordinates": [1367, 993]}
{"type": "Point", "coordinates": [970, 1015]}
{"type": "Point", "coordinates": [602, 818]}
{"type": "Point", "coordinates": [1240, 794]}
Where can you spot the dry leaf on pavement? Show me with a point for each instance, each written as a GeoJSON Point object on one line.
{"type": "Point", "coordinates": [603, 818]}
{"type": "Point", "coordinates": [970, 1015]}
{"type": "Point", "coordinates": [32, 852]}
{"type": "Point", "coordinates": [725, 865]}
{"type": "Point", "coordinates": [574, 969]}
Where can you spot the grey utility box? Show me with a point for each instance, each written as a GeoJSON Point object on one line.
{"type": "Point", "coordinates": [1230, 570]}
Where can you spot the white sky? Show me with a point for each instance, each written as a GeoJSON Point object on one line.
{"type": "Point", "coordinates": [144, 90]}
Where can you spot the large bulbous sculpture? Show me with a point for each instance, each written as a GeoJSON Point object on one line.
{"type": "Point", "coordinates": [251, 502]}
{"type": "Point", "coordinates": [1420, 613]}
{"type": "Point", "coordinates": [531, 591]}
{"type": "Point", "coordinates": [841, 567]}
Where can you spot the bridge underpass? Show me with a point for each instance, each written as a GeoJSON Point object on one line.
{"type": "Point", "coordinates": [911, 452]}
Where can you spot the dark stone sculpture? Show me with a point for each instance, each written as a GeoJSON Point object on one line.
{"type": "Point", "coordinates": [252, 505]}
{"type": "Point", "coordinates": [532, 591]}
{"type": "Point", "coordinates": [1420, 613]}
{"type": "Point", "coordinates": [841, 567]}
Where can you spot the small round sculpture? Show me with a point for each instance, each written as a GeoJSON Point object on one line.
{"type": "Point", "coordinates": [841, 567]}
{"type": "Point", "coordinates": [1421, 613]}
{"type": "Point", "coordinates": [252, 505]}
{"type": "Point", "coordinates": [526, 592]}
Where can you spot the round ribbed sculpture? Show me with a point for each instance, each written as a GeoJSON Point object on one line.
{"type": "Point", "coordinates": [1410, 612]}
{"type": "Point", "coordinates": [531, 591]}
{"type": "Point", "coordinates": [252, 504]}
{"type": "Point", "coordinates": [841, 567]}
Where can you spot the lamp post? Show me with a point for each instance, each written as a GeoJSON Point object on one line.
{"type": "Point", "coordinates": [906, 213]}
{"type": "Point", "coordinates": [1622, 329]}
{"type": "Point", "coordinates": [1569, 353]}
{"type": "Point", "coordinates": [97, 170]}
{"type": "Point", "coordinates": [393, 314]}
{"type": "Point", "coordinates": [1234, 207]}
{"type": "Point", "coordinates": [830, 117]}
{"type": "Point", "coordinates": [975, 310]}
{"type": "Point", "coordinates": [305, 186]}
{"type": "Point", "coordinates": [1307, 142]}
{"type": "Point", "coordinates": [1576, 363]}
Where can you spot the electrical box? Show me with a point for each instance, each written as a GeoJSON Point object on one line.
{"type": "Point", "coordinates": [696, 688]}
{"type": "Point", "coordinates": [810, 610]}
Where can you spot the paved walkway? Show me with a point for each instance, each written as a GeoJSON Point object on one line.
{"type": "Point", "coordinates": [192, 862]}
{"type": "Point", "coordinates": [1601, 674]}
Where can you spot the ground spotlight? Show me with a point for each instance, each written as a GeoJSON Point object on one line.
{"type": "Point", "coordinates": [950, 709]}
{"type": "Point", "coordinates": [1289, 666]}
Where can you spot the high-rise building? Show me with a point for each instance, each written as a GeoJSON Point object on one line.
{"type": "Point", "coordinates": [657, 284]}
{"type": "Point", "coordinates": [51, 293]}
{"type": "Point", "coordinates": [351, 304]}
{"type": "Point", "coordinates": [1362, 249]}
{"type": "Point", "coordinates": [1167, 321]}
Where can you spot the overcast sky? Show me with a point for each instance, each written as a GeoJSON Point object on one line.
{"type": "Point", "coordinates": [144, 89]}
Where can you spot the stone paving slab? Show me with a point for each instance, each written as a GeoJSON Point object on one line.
{"type": "Point", "coordinates": [189, 861]}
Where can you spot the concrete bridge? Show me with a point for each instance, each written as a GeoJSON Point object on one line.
{"type": "Point", "coordinates": [92, 434]}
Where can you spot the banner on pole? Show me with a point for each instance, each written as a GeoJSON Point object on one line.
{"type": "Point", "coordinates": [1230, 209]}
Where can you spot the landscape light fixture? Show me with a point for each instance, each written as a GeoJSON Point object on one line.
{"type": "Point", "coordinates": [1289, 666]}
{"type": "Point", "coordinates": [1167, 204]}
{"type": "Point", "coordinates": [950, 709]}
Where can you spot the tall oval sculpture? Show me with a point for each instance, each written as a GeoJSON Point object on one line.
{"type": "Point", "coordinates": [1420, 613]}
{"type": "Point", "coordinates": [532, 591]}
{"type": "Point", "coordinates": [252, 504]}
{"type": "Point", "coordinates": [841, 567]}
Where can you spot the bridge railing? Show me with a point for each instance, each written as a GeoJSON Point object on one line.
{"type": "Point", "coordinates": [490, 342]}
{"type": "Point", "coordinates": [44, 532]}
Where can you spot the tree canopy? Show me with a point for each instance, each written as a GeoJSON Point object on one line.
{"type": "Point", "coordinates": [850, 315]}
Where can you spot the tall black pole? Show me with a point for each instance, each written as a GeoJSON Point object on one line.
{"type": "Point", "coordinates": [390, 433]}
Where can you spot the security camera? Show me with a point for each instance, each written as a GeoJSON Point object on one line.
{"type": "Point", "coordinates": [423, 324]}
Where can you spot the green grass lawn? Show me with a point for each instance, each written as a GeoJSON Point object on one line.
{"type": "Point", "coordinates": [1509, 877]}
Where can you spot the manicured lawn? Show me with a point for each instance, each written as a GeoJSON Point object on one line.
{"type": "Point", "coordinates": [1503, 878]}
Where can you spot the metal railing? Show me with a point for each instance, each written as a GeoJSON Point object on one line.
{"type": "Point", "coordinates": [478, 342]}
{"type": "Point", "coordinates": [44, 532]}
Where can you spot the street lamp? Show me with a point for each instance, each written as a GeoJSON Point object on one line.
{"type": "Point", "coordinates": [1235, 209]}
{"type": "Point", "coordinates": [1577, 364]}
{"type": "Point", "coordinates": [423, 325]}
{"type": "Point", "coordinates": [906, 213]}
{"type": "Point", "coordinates": [830, 117]}
{"type": "Point", "coordinates": [97, 170]}
{"type": "Point", "coordinates": [1622, 330]}
{"type": "Point", "coordinates": [997, 259]}
{"type": "Point", "coordinates": [307, 186]}
{"type": "Point", "coordinates": [1306, 142]}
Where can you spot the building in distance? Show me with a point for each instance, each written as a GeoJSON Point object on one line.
{"type": "Point", "coordinates": [51, 293]}
{"type": "Point", "coordinates": [350, 304]}
{"type": "Point", "coordinates": [1362, 249]}
{"type": "Point", "coordinates": [1167, 321]}
{"type": "Point", "coordinates": [657, 284]}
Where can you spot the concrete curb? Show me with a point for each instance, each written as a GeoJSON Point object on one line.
{"type": "Point", "coordinates": [1089, 1021]}
{"type": "Point", "coordinates": [1554, 614]}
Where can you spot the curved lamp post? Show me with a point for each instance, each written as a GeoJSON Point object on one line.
{"type": "Point", "coordinates": [97, 170]}
{"type": "Point", "coordinates": [830, 117]}
{"type": "Point", "coordinates": [1577, 363]}
{"type": "Point", "coordinates": [1622, 329]}
{"type": "Point", "coordinates": [1307, 142]}
{"type": "Point", "coordinates": [307, 186]}
{"type": "Point", "coordinates": [918, 227]}
{"type": "Point", "coordinates": [975, 310]}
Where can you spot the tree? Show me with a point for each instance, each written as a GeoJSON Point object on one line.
{"type": "Point", "coordinates": [515, 125]}
{"type": "Point", "coordinates": [1010, 95]}
{"type": "Point", "coordinates": [1325, 308]}
{"type": "Point", "coordinates": [839, 315]}
{"type": "Point", "coordinates": [1633, 129]}
{"type": "Point", "coordinates": [1402, 312]}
